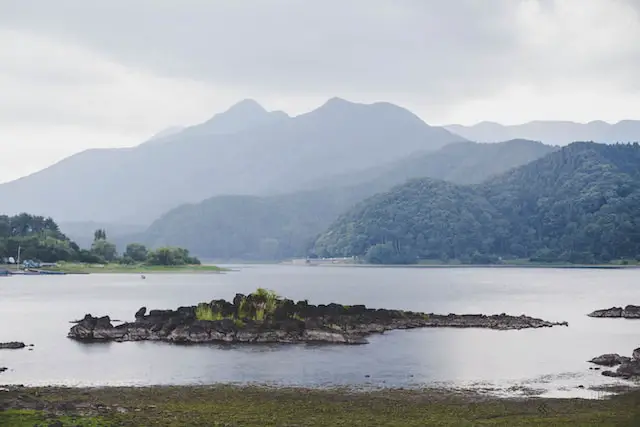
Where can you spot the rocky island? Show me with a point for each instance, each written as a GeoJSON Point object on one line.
{"type": "Point", "coordinates": [13, 345]}
{"type": "Point", "coordinates": [628, 312]}
{"type": "Point", "coordinates": [628, 367]}
{"type": "Point", "coordinates": [263, 317]}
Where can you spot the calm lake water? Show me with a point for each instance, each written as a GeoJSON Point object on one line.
{"type": "Point", "coordinates": [553, 360]}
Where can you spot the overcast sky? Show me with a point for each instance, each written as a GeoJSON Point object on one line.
{"type": "Point", "coordinates": [77, 74]}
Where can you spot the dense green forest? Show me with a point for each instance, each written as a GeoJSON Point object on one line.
{"type": "Point", "coordinates": [278, 227]}
{"type": "Point", "coordinates": [580, 204]}
{"type": "Point", "coordinates": [249, 227]}
{"type": "Point", "coordinates": [37, 238]}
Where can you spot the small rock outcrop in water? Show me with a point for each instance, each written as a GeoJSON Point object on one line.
{"type": "Point", "coordinates": [263, 317]}
{"type": "Point", "coordinates": [628, 367]}
{"type": "Point", "coordinates": [629, 312]}
{"type": "Point", "coordinates": [609, 360]}
{"type": "Point", "coordinates": [13, 345]}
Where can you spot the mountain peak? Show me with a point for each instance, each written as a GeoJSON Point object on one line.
{"type": "Point", "coordinates": [336, 100]}
{"type": "Point", "coordinates": [336, 103]}
{"type": "Point", "coordinates": [341, 105]}
{"type": "Point", "coordinates": [242, 115]}
{"type": "Point", "coordinates": [247, 106]}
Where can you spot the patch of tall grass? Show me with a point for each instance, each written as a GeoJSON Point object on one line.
{"type": "Point", "coordinates": [204, 312]}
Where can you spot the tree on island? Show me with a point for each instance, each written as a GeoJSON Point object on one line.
{"type": "Point", "coordinates": [102, 248]}
{"type": "Point", "coordinates": [100, 234]}
{"type": "Point", "coordinates": [171, 256]}
{"type": "Point", "coordinates": [136, 252]}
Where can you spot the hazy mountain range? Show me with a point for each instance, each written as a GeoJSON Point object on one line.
{"type": "Point", "coordinates": [282, 226]}
{"type": "Point", "coordinates": [552, 132]}
{"type": "Point", "coordinates": [250, 182]}
{"type": "Point", "coordinates": [246, 150]}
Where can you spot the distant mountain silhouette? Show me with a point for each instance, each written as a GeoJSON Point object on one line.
{"type": "Point", "coordinates": [165, 133]}
{"type": "Point", "coordinates": [245, 150]}
{"type": "Point", "coordinates": [552, 132]}
{"type": "Point", "coordinates": [462, 163]}
{"type": "Point", "coordinates": [281, 226]}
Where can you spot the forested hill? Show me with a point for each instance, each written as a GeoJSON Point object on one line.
{"type": "Point", "coordinates": [579, 204]}
{"type": "Point", "coordinates": [38, 238]}
{"type": "Point", "coordinates": [249, 227]}
{"type": "Point", "coordinates": [277, 227]}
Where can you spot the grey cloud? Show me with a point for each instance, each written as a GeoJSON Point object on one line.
{"type": "Point", "coordinates": [446, 49]}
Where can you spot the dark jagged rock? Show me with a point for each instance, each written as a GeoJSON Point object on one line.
{"type": "Point", "coordinates": [257, 318]}
{"type": "Point", "coordinates": [629, 367]}
{"type": "Point", "coordinates": [609, 360]}
{"type": "Point", "coordinates": [3, 369]}
{"type": "Point", "coordinates": [13, 345]}
{"type": "Point", "coordinates": [629, 312]}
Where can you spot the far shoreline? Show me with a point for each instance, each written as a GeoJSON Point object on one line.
{"type": "Point", "coordinates": [458, 266]}
{"type": "Point", "coordinates": [83, 269]}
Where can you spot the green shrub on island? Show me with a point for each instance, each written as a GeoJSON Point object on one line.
{"type": "Point", "coordinates": [257, 306]}
{"type": "Point", "coordinates": [205, 312]}
{"type": "Point", "coordinates": [265, 302]}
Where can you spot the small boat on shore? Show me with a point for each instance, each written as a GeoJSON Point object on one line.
{"type": "Point", "coordinates": [48, 272]}
{"type": "Point", "coordinates": [32, 273]}
{"type": "Point", "coordinates": [21, 273]}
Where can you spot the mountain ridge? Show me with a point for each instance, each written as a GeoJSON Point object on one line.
{"type": "Point", "coordinates": [552, 132]}
{"type": "Point", "coordinates": [270, 154]}
{"type": "Point", "coordinates": [580, 204]}
{"type": "Point", "coordinates": [282, 226]}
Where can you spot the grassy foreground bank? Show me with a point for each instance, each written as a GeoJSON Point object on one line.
{"type": "Point", "coordinates": [257, 406]}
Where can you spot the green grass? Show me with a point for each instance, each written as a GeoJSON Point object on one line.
{"type": "Point", "coordinates": [204, 312]}
{"type": "Point", "coordinates": [134, 268]}
{"type": "Point", "coordinates": [256, 406]}
{"type": "Point", "coordinates": [30, 418]}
